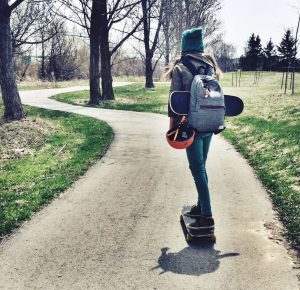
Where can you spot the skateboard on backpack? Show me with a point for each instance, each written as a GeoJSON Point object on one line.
{"type": "Point", "coordinates": [195, 234]}
{"type": "Point", "coordinates": [180, 103]}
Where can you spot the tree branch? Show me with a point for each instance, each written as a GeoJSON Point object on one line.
{"type": "Point", "coordinates": [126, 37]}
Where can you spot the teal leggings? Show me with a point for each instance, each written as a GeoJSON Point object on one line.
{"type": "Point", "coordinates": [197, 155]}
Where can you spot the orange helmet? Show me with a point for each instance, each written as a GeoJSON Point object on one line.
{"type": "Point", "coordinates": [181, 136]}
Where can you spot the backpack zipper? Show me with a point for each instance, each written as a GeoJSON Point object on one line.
{"type": "Point", "coordinates": [211, 107]}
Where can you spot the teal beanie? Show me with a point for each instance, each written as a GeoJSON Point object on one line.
{"type": "Point", "coordinates": [192, 40]}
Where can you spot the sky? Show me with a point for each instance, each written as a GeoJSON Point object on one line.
{"type": "Point", "coordinates": [267, 18]}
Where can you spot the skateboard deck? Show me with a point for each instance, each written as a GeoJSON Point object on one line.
{"type": "Point", "coordinates": [180, 102]}
{"type": "Point", "coordinates": [195, 234]}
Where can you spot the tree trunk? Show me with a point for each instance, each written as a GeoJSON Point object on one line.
{"type": "Point", "coordinates": [95, 93]}
{"type": "Point", "coordinates": [148, 53]}
{"type": "Point", "coordinates": [286, 78]}
{"type": "Point", "coordinates": [167, 38]}
{"type": "Point", "coordinates": [149, 72]}
{"type": "Point", "coordinates": [180, 12]}
{"type": "Point", "coordinates": [167, 51]}
{"type": "Point", "coordinates": [23, 75]}
{"type": "Point", "coordinates": [295, 56]}
{"type": "Point", "coordinates": [13, 109]}
{"type": "Point", "coordinates": [282, 80]}
{"type": "Point", "coordinates": [43, 64]}
{"type": "Point", "coordinates": [167, 10]}
{"type": "Point", "coordinates": [107, 88]}
{"type": "Point", "coordinates": [188, 18]}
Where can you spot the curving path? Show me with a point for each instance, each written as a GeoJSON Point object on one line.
{"type": "Point", "coordinates": [118, 226]}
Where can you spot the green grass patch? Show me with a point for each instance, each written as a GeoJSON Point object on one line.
{"type": "Point", "coordinates": [267, 133]}
{"type": "Point", "coordinates": [41, 157]}
{"type": "Point", "coordinates": [132, 97]}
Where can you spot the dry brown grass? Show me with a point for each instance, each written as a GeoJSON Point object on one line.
{"type": "Point", "coordinates": [22, 138]}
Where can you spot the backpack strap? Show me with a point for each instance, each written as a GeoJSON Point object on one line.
{"type": "Point", "coordinates": [186, 61]}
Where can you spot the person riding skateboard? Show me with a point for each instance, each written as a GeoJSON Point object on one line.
{"type": "Point", "coordinates": [192, 46]}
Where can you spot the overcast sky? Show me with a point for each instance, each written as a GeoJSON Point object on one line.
{"type": "Point", "coordinates": [267, 18]}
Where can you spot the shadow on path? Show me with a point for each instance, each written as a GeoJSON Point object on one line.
{"type": "Point", "coordinates": [194, 260]}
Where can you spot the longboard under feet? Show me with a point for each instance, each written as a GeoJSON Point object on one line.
{"type": "Point", "coordinates": [195, 234]}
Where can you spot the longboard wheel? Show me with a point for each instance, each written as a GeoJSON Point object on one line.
{"type": "Point", "coordinates": [188, 237]}
{"type": "Point", "coordinates": [213, 238]}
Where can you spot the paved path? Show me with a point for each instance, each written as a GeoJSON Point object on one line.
{"type": "Point", "coordinates": [118, 226]}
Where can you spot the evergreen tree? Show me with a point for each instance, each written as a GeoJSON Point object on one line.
{"type": "Point", "coordinates": [269, 54]}
{"type": "Point", "coordinates": [253, 54]}
{"type": "Point", "coordinates": [287, 50]}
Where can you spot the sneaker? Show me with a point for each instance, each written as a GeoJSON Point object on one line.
{"type": "Point", "coordinates": [202, 223]}
{"type": "Point", "coordinates": [194, 211]}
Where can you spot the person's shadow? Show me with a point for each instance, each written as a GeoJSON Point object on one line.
{"type": "Point", "coordinates": [193, 260]}
{"type": "Point", "coordinates": [198, 258]}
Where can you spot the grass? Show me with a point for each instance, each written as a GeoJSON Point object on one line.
{"type": "Point", "coordinates": [41, 157]}
{"type": "Point", "coordinates": [38, 84]}
{"type": "Point", "coordinates": [132, 97]}
{"type": "Point", "coordinates": [267, 133]}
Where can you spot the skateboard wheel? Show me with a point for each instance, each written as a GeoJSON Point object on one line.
{"type": "Point", "coordinates": [213, 238]}
{"type": "Point", "coordinates": [188, 238]}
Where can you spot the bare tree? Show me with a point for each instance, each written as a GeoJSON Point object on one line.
{"type": "Point", "coordinates": [168, 7]}
{"type": "Point", "coordinates": [62, 57]}
{"type": "Point", "coordinates": [28, 20]}
{"type": "Point", "coordinates": [77, 12]}
{"type": "Point", "coordinates": [95, 28]}
{"type": "Point", "coordinates": [152, 22]}
{"type": "Point", "coordinates": [287, 52]}
{"type": "Point", "coordinates": [112, 13]}
{"type": "Point", "coordinates": [194, 13]}
{"type": "Point", "coordinates": [124, 64]}
{"type": "Point", "coordinates": [224, 54]}
{"type": "Point", "coordinates": [108, 15]}
{"type": "Point", "coordinates": [179, 15]}
{"type": "Point", "coordinates": [178, 22]}
{"type": "Point", "coordinates": [105, 53]}
{"type": "Point", "coordinates": [32, 24]}
{"type": "Point", "coordinates": [295, 56]}
{"type": "Point", "coordinates": [13, 109]}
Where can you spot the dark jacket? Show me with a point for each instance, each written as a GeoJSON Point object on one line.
{"type": "Point", "coordinates": [182, 78]}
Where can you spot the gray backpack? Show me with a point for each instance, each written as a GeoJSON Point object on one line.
{"type": "Point", "coordinates": [207, 105]}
